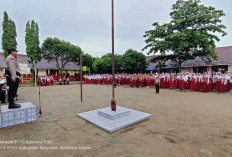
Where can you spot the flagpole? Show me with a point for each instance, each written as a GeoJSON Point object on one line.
{"type": "Point", "coordinates": [81, 77]}
{"type": "Point", "coordinates": [113, 102]}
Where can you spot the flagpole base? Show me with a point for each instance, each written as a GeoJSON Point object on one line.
{"type": "Point", "coordinates": [113, 105]}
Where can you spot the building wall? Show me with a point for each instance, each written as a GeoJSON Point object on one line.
{"type": "Point", "coordinates": [209, 69]}
{"type": "Point", "coordinates": [221, 68]}
{"type": "Point", "coordinates": [42, 72]}
{"type": "Point", "coordinates": [230, 68]}
{"type": "Point", "coordinates": [183, 70]}
{"type": "Point", "coordinates": [151, 64]}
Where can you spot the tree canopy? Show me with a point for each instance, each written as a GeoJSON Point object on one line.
{"type": "Point", "coordinates": [192, 31]}
{"type": "Point", "coordinates": [134, 62]}
{"type": "Point", "coordinates": [87, 60]}
{"type": "Point", "coordinates": [103, 65]}
{"type": "Point", "coordinates": [9, 34]}
{"type": "Point", "coordinates": [62, 52]}
{"type": "Point", "coordinates": [130, 62]}
{"type": "Point", "coordinates": [32, 42]}
{"type": "Point", "coordinates": [97, 65]}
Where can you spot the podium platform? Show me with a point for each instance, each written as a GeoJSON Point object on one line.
{"type": "Point", "coordinates": [9, 117]}
{"type": "Point", "coordinates": [111, 121]}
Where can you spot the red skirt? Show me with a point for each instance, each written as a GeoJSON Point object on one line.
{"type": "Point", "coordinates": [204, 87]}
{"type": "Point", "coordinates": [178, 84]}
{"type": "Point", "coordinates": [210, 86]}
{"type": "Point", "coordinates": [218, 86]}
{"type": "Point", "coordinates": [111, 81]}
{"type": "Point", "coordinates": [131, 83]}
{"type": "Point", "coordinates": [223, 88]}
{"type": "Point", "coordinates": [187, 84]}
{"type": "Point", "coordinates": [101, 81]}
{"type": "Point", "coordinates": [175, 84]}
{"type": "Point", "coordinates": [166, 84]}
{"type": "Point", "coordinates": [171, 84]}
{"type": "Point", "coordinates": [141, 83]}
{"type": "Point", "coordinates": [228, 85]}
{"type": "Point", "coordinates": [181, 84]}
{"type": "Point", "coordinates": [162, 83]}
{"type": "Point", "coordinates": [193, 85]}
{"type": "Point", "coordinates": [154, 84]}
{"type": "Point", "coordinates": [134, 83]}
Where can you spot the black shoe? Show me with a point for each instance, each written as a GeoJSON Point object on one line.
{"type": "Point", "coordinates": [12, 106]}
{"type": "Point", "coordinates": [17, 104]}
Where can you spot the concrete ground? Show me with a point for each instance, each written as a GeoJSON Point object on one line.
{"type": "Point", "coordinates": [184, 124]}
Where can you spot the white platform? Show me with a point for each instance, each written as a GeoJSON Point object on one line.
{"type": "Point", "coordinates": [108, 113]}
{"type": "Point", "coordinates": [9, 117]}
{"type": "Point", "coordinates": [112, 121]}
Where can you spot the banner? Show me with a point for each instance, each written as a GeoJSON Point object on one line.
{"type": "Point", "coordinates": [24, 68]}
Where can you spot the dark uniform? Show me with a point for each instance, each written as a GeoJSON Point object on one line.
{"type": "Point", "coordinates": [12, 76]}
{"type": "Point", "coordinates": [157, 82]}
{"type": "Point", "coordinates": [67, 78]}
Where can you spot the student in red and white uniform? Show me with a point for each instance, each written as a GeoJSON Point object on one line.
{"type": "Point", "coordinates": [182, 82]}
{"type": "Point", "coordinates": [205, 83]}
{"type": "Point", "coordinates": [193, 82]}
{"type": "Point", "coordinates": [171, 82]}
{"type": "Point", "coordinates": [162, 81]}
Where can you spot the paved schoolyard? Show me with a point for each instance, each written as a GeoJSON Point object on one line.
{"type": "Point", "coordinates": [183, 124]}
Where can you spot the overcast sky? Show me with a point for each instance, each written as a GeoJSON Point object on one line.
{"type": "Point", "coordinates": [87, 23]}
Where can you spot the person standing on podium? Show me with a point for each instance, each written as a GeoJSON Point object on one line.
{"type": "Point", "coordinates": [12, 76]}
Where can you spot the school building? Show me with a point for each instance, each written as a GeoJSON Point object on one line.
{"type": "Point", "coordinates": [43, 67]}
{"type": "Point", "coordinates": [198, 65]}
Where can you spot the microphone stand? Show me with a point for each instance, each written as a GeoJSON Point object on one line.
{"type": "Point", "coordinates": [40, 108]}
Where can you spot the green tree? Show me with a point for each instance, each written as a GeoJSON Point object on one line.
{"type": "Point", "coordinates": [87, 60]}
{"type": "Point", "coordinates": [9, 34]}
{"type": "Point", "coordinates": [192, 32]}
{"type": "Point", "coordinates": [97, 65]}
{"type": "Point", "coordinates": [118, 63]}
{"type": "Point", "coordinates": [32, 42]}
{"type": "Point", "coordinates": [107, 64]}
{"type": "Point", "coordinates": [103, 65]}
{"type": "Point", "coordinates": [107, 61]}
{"type": "Point", "coordinates": [134, 62]}
{"type": "Point", "coordinates": [62, 52]}
{"type": "Point", "coordinates": [131, 62]}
